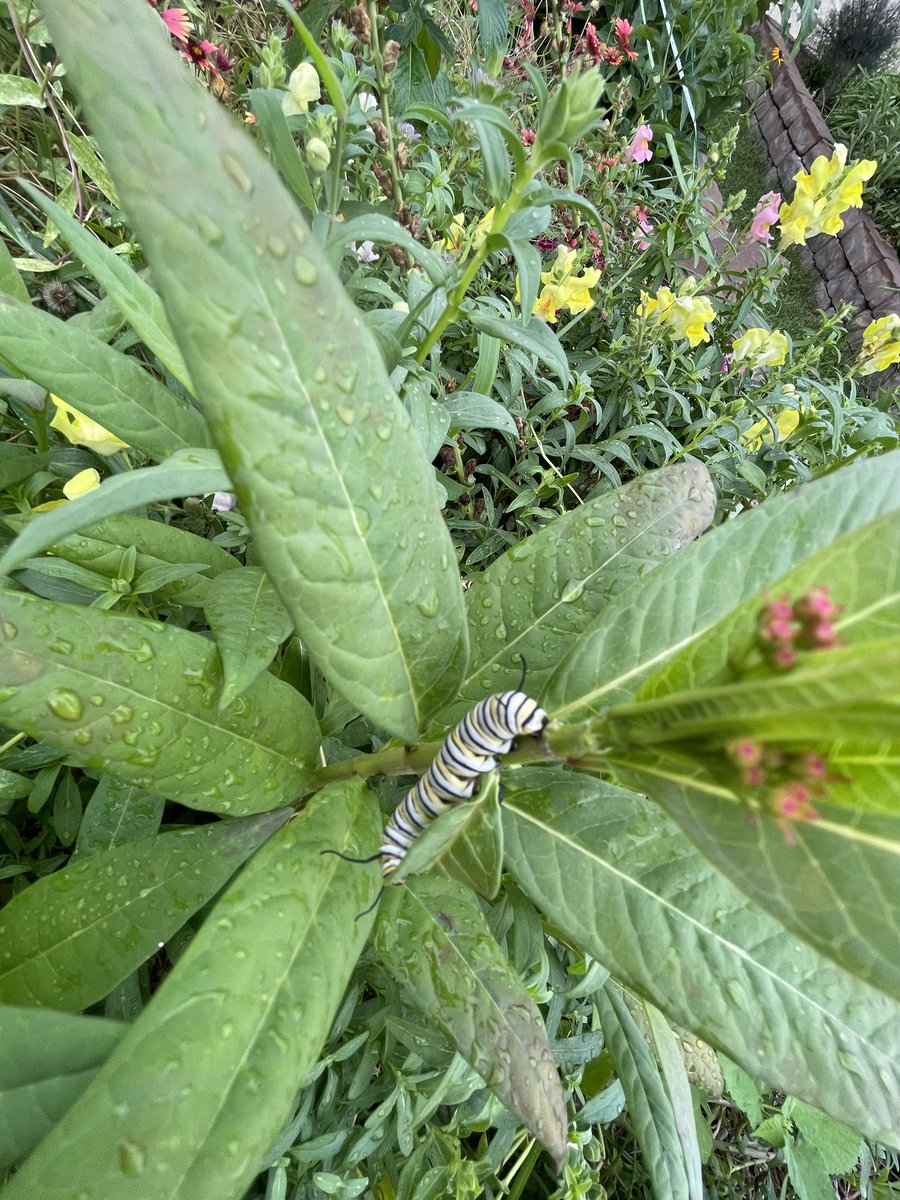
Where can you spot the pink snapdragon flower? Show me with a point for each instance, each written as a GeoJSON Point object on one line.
{"type": "Point", "coordinates": [638, 149]}
{"type": "Point", "coordinates": [642, 218]}
{"type": "Point", "coordinates": [764, 217]}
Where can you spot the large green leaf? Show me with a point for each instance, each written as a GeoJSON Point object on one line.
{"type": "Point", "coordinates": [185, 473]}
{"type": "Point", "coordinates": [621, 881]}
{"type": "Point", "coordinates": [435, 941]}
{"type": "Point", "coordinates": [106, 386]}
{"type": "Point", "coordinates": [674, 1169]}
{"type": "Point", "coordinates": [194, 1095]}
{"type": "Point", "coordinates": [138, 700]}
{"type": "Point", "coordinates": [833, 881]}
{"type": "Point", "coordinates": [70, 938]}
{"type": "Point", "coordinates": [677, 604]}
{"type": "Point", "coordinates": [540, 594]}
{"type": "Point", "coordinates": [47, 1059]}
{"type": "Point", "coordinates": [339, 496]}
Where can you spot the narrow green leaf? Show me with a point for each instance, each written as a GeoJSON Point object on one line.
{"type": "Point", "coordinates": [627, 886]}
{"type": "Point", "coordinates": [11, 282]}
{"type": "Point", "coordinates": [619, 651]}
{"type": "Point", "coordinates": [272, 123]}
{"type": "Point", "coordinates": [117, 813]}
{"type": "Point", "coordinates": [540, 594]}
{"type": "Point", "coordinates": [12, 787]}
{"type": "Point", "coordinates": [70, 938]}
{"type": "Point", "coordinates": [675, 1067]}
{"type": "Point", "coordinates": [535, 337]}
{"type": "Point", "coordinates": [435, 941]}
{"type": "Point", "coordinates": [528, 279]}
{"type": "Point", "coordinates": [832, 881]}
{"type": "Point", "coordinates": [106, 386]}
{"type": "Point", "coordinates": [185, 473]}
{"type": "Point", "coordinates": [137, 699]}
{"type": "Point", "coordinates": [486, 367]}
{"type": "Point", "coordinates": [650, 1111]}
{"type": "Point", "coordinates": [468, 410]}
{"type": "Point", "coordinates": [235, 1028]}
{"type": "Point", "coordinates": [47, 1059]}
{"type": "Point", "coordinates": [139, 303]}
{"type": "Point", "coordinates": [249, 623]}
{"type": "Point", "coordinates": [92, 165]}
{"type": "Point", "coordinates": [341, 501]}
{"type": "Point", "coordinates": [384, 230]}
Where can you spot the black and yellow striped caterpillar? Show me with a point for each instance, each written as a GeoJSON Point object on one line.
{"type": "Point", "coordinates": [472, 749]}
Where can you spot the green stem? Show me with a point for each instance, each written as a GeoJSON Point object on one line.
{"type": "Point", "coordinates": [567, 743]}
{"type": "Point", "coordinates": [458, 295]}
{"type": "Point", "coordinates": [337, 174]}
{"type": "Point", "coordinates": [384, 102]}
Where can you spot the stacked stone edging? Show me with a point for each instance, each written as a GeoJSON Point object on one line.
{"type": "Point", "coordinates": [858, 265]}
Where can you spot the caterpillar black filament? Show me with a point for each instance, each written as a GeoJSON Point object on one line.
{"type": "Point", "coordinates": [472, 749]}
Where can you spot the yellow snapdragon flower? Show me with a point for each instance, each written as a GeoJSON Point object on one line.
{"type": "Point", "coordinates": [79, 485]}
{"type": "Point", "coordinates": [562, 288]}
{"type": "Point", "coordinates": [881, 345]}
{"type": "Point", "coordinates": [786, 421]}
{"type": "Point", "coordinates": [760, 348]}
{"type": "Point", "coordinates": [683, 316]}
{"type": "Point", "coordinates": [822, 195]}
{"type": "Point", "coordinates": [82, 431]}
{"type": "Point", "coordinates": [454, 236]}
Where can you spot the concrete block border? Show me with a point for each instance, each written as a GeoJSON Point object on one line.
{"type": "Point", "coordinates": [858, 265]}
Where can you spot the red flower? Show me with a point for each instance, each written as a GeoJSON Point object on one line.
{"type": "Point", "coordinates": [177, 23]}
{"type": "Point", "coordinates": [207, 57]}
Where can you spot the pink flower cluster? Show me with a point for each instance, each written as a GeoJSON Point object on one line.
{"type": "Point", "coordinates": [590, 46]}
{"type": "Point", "coordinates": [790, 782]}
{"type": "Point", "coordinates": [203, 54]}
{"type": "Point", "coordinates": [807, 624]}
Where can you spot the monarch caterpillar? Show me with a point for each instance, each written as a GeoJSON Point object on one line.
{"type": "Point", "coordinates": [473, 748]}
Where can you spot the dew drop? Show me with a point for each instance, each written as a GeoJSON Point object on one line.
{"type": "Point", "coordinates": [429, 606]}
{"type": "Point", "coordinates": [61, 646]}
{"type": "Point", "coordinates": [8, 630]}
{"type": "Point", "coordinates": [66, 704]}
{"type": "Point", "coordinates": [82, 736]}
{"type": "Point", "coordinates": [208, 229]}
{"type": "Point", "coordinates": [276, 246]}
{"type": "Point", "coordinates": [238, 174]}
{"type": "Point", "coordinates": [320, 375]}
{"type": "Point", "coordinates": [97, 700]}
{"type": "Point", "coordinates": [305, 272]}
{"type": "Point", "coordinates": [132, 1157]}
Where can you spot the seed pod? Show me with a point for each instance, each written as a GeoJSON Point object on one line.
{"type": "Point", "coordinates": [358, 20]}
{"type": "Point", "coordinates": [390, 55]}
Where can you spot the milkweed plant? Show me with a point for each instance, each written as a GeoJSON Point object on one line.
{"type": "Point", "coordinates": [432, 393]}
